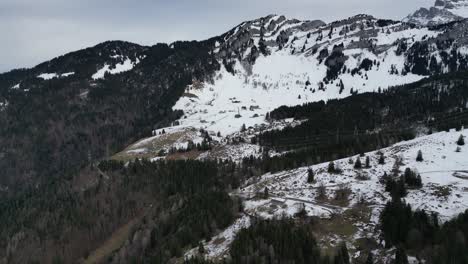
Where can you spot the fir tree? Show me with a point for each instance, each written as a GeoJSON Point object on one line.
{"type": "Point", "coordinates": [331, 167]}
{"type": "Point", "coordinates": [381, 159]}
{"type": "Point", "coordinates": [461, 141]}
{"type": "Point", "coordinates": [396, 189]}
{"type": "Point", "coordinates": [370, 258]}
{"type": "Point", "coordinates": [419, 158]}
{"type": "Point", "coordinates": [265, 193]}
{"type": "Point", "coordinates": [341, 86]}
{"type": "Point", "coordinates": [357, 164]}
{"type": "Point", "coordinates": [201, 248]}
{"type": "Point", "coordinates": [243, 128]}
{"type": "Point", "coordinates": [367, 162]}
{"type": "Point", "coordinates": [400, 256]}
{"type": "Point", "coordinates": [342, 256]}
{"type": "Point", "coordinates": [322, 191]}
{"type": "Point", "coordinates": [310, 176]}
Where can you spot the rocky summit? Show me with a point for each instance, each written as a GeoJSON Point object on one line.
{"type": "Point", "coordinates": [443, 11]}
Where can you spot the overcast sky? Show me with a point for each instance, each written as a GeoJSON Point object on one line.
{"type": "Point", "coordinates": [34, 31]}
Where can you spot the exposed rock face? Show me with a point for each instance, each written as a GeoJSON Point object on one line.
{"type": "Point", "coordinates": [342, 46]}
{"type": "Point", "coordinates": [432, 16]}
{"type": "Point", "coordinates": [252, 37]}
{"type": "Point", "coordinates": [443, 11]}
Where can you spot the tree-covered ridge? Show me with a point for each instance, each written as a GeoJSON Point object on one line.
{"type": "Point", "coordinates": [175, 203]}
{"type": "Point", "coordinates": [53, 128]}
{"type": "Point", "coordinates": [421, 234]}
{"type": "Point", "coordinates": [438, 102]}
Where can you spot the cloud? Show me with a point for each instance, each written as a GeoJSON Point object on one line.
{"type": "Point", "coordinates": [38, 30]}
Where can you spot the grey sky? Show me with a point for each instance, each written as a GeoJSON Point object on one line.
{"type": "Point", "coordinates": [34, 31]}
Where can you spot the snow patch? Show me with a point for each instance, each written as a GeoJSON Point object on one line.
{"type": "Point", "coordinates": [127, 65]}
{"type": "Point", "coordinates": [50, 76]}
{"type": "Point", "coordinates": [47, 76]}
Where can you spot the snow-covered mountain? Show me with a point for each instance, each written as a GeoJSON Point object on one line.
{"type": "Point", "coordinates": [431, 16]}
{"type": "Point", "coordinates": [70, 113]}
{"type": "Point", "coordinates": [457, 7]}
{"type": "Point", "coordinates": [443, 11]}
{"type": "Point", "coordinates": [274, 61]}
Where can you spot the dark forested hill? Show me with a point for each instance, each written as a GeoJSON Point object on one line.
{"type": "Point", "coordinates": [52, 127]}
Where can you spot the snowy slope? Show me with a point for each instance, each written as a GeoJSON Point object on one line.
{"type": "Point", "coordinates": [442, 167]}
{"type": "Point", "coordinates": [298, 66]}
{"type": "Point", "coordinates": [445, 190]}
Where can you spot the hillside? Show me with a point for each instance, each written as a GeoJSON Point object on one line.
{"type": "Point", "coordinates": [356, 197]}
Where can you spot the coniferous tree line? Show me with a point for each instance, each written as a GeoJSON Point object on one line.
{"type": "Point", "coordinates": [189, 202]}
{"type": "Point", "coordinates": [421, 234]}
{"type": "Point", "coordinates": [281, 241]}
{"type": "Point", "coordinates": [314, 154]}
{"type": "Point", "coordinates": [438, 102]}
{"type": "Point", "coordinates": [198, 219]}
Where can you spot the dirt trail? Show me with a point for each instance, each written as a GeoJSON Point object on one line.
{"type": "Point", "coordinates": [114, 242]}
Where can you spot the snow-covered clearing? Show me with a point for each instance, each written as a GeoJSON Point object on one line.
{"type": "Point", "coordinates": [50, 76]}
{"type": "Point", "coordinates": [444, 191]}
{"type": "Point", "coordinates": [124, 66]}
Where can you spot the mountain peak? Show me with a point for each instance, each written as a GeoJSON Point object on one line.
{"type": "Point", "coordinates": [443, 11]}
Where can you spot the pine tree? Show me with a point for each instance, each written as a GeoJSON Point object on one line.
{"type": "Point", "coordinates": [419, 158]}
{"type": "Point", "coordinates": [400, 256]}
{"type": "Point", "coordinates": [331, 167]}
{"type": "Point", "coordinates": [342, 256]}
{"type": "Point", "coordinates": [243, 128]}
{"type": "Point", "coordinates": [370, 258]}
{"type": "Point", "coordinates": [461, 141]}
{"type": "Point", "coordinates": [357, 164]}
{"type": "Point", "coordinates": [201, 248]}
{"type": "Point", "coordinates": [322, 191]}
{"type": "Point", "coordinates": [310, 176]}
{"type": "Point", "coordinates": [341, 86]}
{"type": "Point", "coordinates": [419, 181]}
{"type": "Point", "coordinates": [381, 159]}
